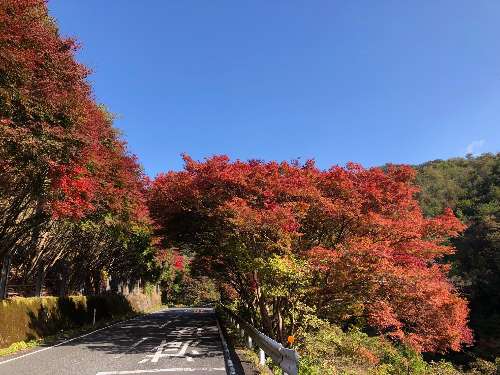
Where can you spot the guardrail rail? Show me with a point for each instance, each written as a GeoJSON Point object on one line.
{"type": "Point", "coordinates": [286, 359]}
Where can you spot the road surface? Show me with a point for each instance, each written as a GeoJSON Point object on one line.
{"type": "Point", "coordinates": [173, 341]}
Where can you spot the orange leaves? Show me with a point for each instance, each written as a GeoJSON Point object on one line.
{"type": "Point", "coordinates": [381, 315]}
{"type": "Point", "coordinates": [322, 259]}
{"type": "Point", "coordinates": [413, 304]}
{"type": "Point", "coordinates": [443, 226]}
{"type": "Point", "coordinates": [370, 252]}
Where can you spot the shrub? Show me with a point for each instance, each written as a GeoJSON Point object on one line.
{"type": "Point", "coordinates": [329, 350]}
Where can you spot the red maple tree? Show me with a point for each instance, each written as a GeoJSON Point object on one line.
{"type": "Point", "coordinates": [372, 257]}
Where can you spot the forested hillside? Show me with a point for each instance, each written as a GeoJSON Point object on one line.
{"type": "Point", "coordinates": [471, 187]}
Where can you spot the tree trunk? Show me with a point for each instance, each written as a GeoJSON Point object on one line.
{"type": "Point", "coordinates": [88, 285]}
{"type": "Point", "coordinates": [63, 290]}
{"type": "Point", "coordinates": [264, 313]}
{"type": "Point", "coordinates": [4, 276]}
{"type": "Point", "coordinates": [114, 285]}
{"type": "Point", "coordinates": [40, 278]}
{"type": "Point", "coordinates": [279, 318]}
{"type": "Point", "coordinates": [97, 283]}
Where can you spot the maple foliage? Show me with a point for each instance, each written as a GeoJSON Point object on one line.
{"type": "Point", "coordinates": [356, 240]}
{"type": "Point", "coordinates": [70, 192]}
{"type": "Point", "coordinates": [51, 128]}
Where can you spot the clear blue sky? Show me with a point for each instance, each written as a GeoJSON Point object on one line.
{"type": "Point", "coordinates": [367, 81]}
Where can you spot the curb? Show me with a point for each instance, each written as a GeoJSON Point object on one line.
{"type": "Point", "coordinates": [227, 355]}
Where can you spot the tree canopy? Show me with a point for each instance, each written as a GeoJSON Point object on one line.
{"type": "Point", "coordinates": [71, 195]}
{"type": "Point", "coordinates": [350, 244]}
{"type": "Point", "coordinates": [471, 187]}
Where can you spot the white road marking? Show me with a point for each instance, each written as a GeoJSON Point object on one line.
{"type": "Point", "coordinates": [165, 324]}
{"type": "Point", "coordinates": [64, 342]}
{"type": "Point", "coordinates": [132, 347]}
{"type": "Point", "coordinates": [178, 369]}
{"type": "Point", "coordinates": [172, 346]}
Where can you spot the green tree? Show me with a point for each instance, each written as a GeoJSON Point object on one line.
{"type": "Point", "coordinates": [471, 187]}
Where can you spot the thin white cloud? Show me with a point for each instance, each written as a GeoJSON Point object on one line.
{"type": "Point", "coordinates": [473, 147]}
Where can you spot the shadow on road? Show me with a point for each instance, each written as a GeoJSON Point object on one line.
{"type": "Point", "coordinates": [197, 329]}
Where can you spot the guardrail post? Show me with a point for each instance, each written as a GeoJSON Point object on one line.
{"type": "Point", "coordinates": [286, 359]}
{"type": "Point", "coordinates": [262, 357]}
{"type": "Point", "coordinates": [249, 342]}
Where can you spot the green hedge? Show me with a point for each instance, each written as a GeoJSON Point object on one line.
{"type": "Point", "coordinates": [23, 319]}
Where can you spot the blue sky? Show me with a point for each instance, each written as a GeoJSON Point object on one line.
{"type": "Point", "coordinates": [337, 81]}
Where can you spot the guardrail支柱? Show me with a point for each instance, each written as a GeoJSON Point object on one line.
{"type": "Point", "coordinates": [286, 359]}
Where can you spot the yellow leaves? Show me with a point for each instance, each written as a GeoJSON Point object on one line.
{"type": "Point", "coordinates": [284, 275]}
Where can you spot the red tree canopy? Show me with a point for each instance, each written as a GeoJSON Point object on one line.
{"type": "Point", "coordinates": [52, 133]}
{"type": "Point", "coordinates": [371, 255]}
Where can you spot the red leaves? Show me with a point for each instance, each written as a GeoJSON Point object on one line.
{"type": "Point", "coordinates": [178, 261]}
{"type": "Point", "coordinates": [443, 226]}
{"type": "Point", "coordinates": [52, 132]}
{"type": "Point", "coordinates": [371, 252]}
{"type": "Point", "coordinates": [382, 316]}
{"type": "Point", "coordinates": [76, 188]}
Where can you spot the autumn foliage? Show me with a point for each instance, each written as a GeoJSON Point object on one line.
{"type": "Point", "coordinates": [289, 241]}
{"type": "Point", "coordinates": [69, 190]}
{"type": "Point", "coordinates": [349, 243]}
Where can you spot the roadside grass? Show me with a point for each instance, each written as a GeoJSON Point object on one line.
{"type": "Point", "coordinates": [70, 333]}
{"type": "Point", "coordinates": [18, 346]}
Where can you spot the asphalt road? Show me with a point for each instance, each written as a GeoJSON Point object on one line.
{"type": "Point", "coordinates": [173, 341]}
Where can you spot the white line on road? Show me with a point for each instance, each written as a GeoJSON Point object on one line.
{"type": "Point", "coordinates": [140, 326]}
{"type": "Point", "coordinates": [179, 369]}
{"type": "Point", "coordinates": [73, 339]}
{"type": "Point", "coordinates": [132, 347]}
{"type": "Point", "coordinates": [165, 324]}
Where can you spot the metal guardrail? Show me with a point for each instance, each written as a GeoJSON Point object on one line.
{"type": "Point", "coordinates": [286, 359]}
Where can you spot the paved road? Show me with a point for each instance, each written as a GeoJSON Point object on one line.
{"type": "Point", "coordinates": [173, 341]}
